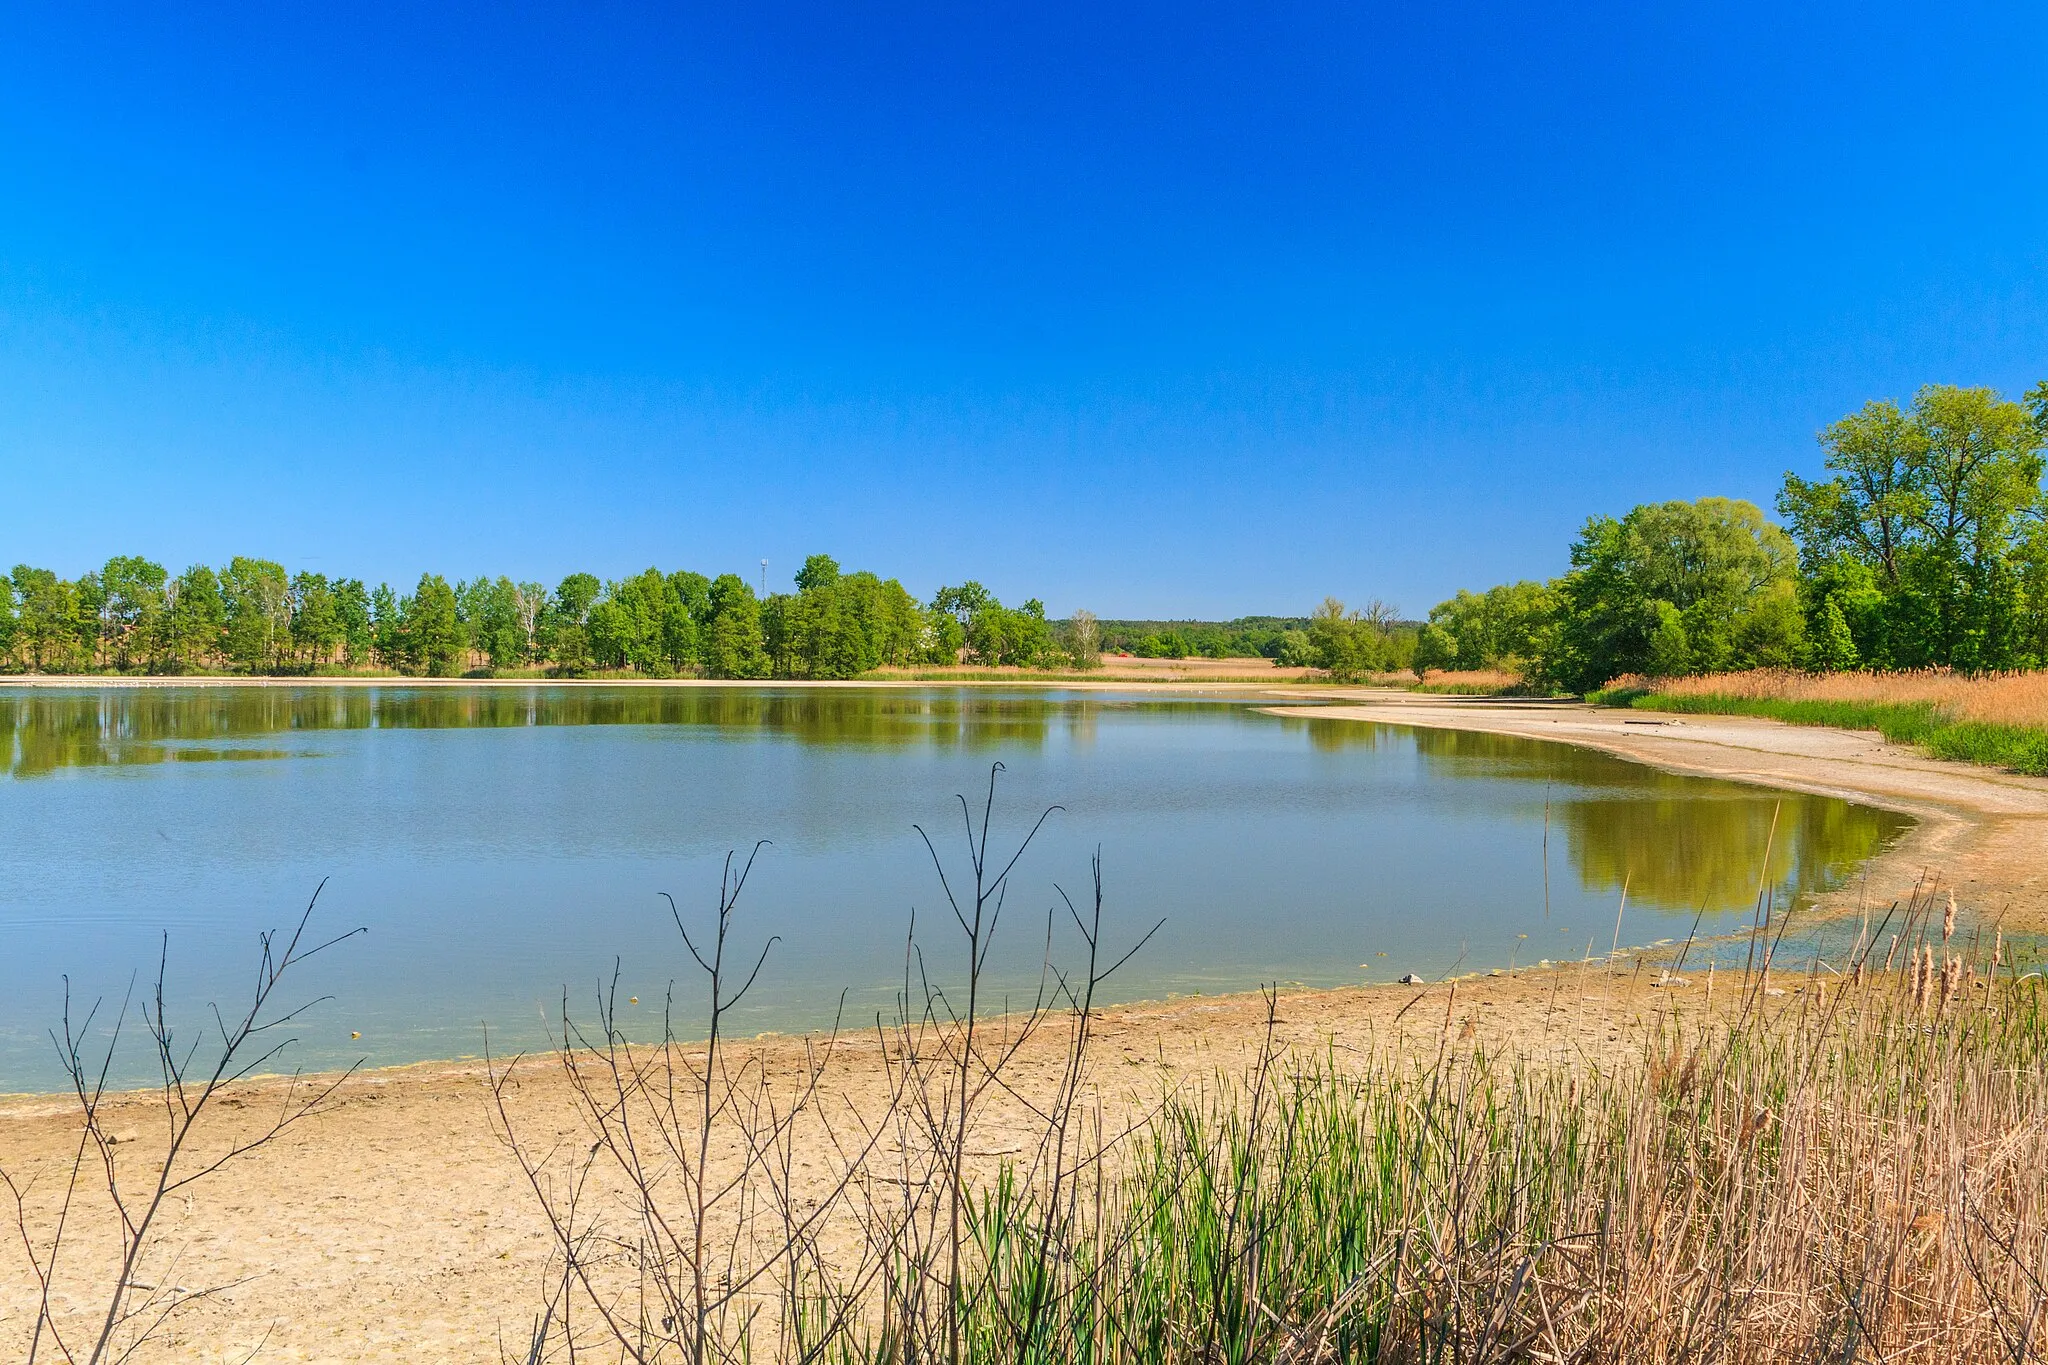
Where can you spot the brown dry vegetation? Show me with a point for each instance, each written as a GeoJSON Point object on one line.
{"type": "Point", "coordinates": [1991, 698]}
{"type": "Point", "coordinates": [1478, 681]}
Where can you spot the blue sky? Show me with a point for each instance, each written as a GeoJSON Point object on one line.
{"type": "Point", "coordinates": [1175, 310]}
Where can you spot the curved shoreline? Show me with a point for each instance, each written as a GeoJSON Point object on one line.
{"type": "Point", "coordinates": [1979, 832]}
{"type": "Point", "coordinates": [404, 1230]}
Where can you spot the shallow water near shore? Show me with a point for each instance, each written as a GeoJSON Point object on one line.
{"type": "Point", "coordinates": [504, 845]}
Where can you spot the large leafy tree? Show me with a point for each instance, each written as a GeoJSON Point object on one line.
{"type": "Point", "coordinates": [819, 572]}
{"type": "Point", "coordinates": [1502, 627]}
{"type": "Point", "coordinates": [1350, 644]}
{"type": "Point", "coordinates": [196, 619]}
{"type": "Point", "coordinates": [1925, 536]}
{"type": "Point", "coordinates": [489, 608]}
{"type": "Point", "coordinates": [839, 625]}
{"type": "Point", "coordinates": [568, 619]}
{"type": "Point", "coordinates": [432, 629]}
{"type": "Point", "coordinates": [257, 595]}
{"type": "Point", "coordinates": [387, 627]}
{"type": "Point", "coordinates": [953, 610]}
{"type": "Point", "coordinates": [644, 623]}
{"type": "Point", "coordinates": [46, 638]}
{"type": "Point", "coordinates": [1673, 587]}
{"type": "Point", "coordinates": [131, 607]}
{"type": "Point", "coordinates": [968, 622]}
{"type": "Point", "coordinates": [733, 646]}
{"type": "Point", "coordinates": [316, 622]}
{"type": "Point", "coordinates": [354, 617]}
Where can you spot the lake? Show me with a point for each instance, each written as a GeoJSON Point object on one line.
{"type": "Point", "coordinates": [503, 844]}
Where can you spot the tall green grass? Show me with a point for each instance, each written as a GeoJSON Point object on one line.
{"type": "Point", "coordinates": [1855, 1172]}
{"type": "Point", "coordinates": [1845, 1187]}
{"type": "Point", "coordinates": [1925, 725]}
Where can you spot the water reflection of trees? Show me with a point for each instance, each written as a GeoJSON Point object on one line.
{"type": "Point", "coordinates": [1708, 851]}
{"type": "Point", "coordinates": [1680, 843]}
{"type": "Point", "coordinates": [49, 730]}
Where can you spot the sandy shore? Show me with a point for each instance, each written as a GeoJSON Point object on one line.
{"type": "Point", "coordinates": [397, 1227]}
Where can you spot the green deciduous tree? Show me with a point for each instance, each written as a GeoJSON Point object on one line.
{"type": "Point", "coordinates": [839, 625]}
{"type": "Point", "coordinates": [1674, 587]}
{"type": "Point", "coordinates": [432, 629]}
{"type": "Point", "coordinates": [316, 621]}
{"type": "Point", "coordinates": [1933, 514]}
{"type": "Point", "coordinates": [131, 607]}
{"type": "Point", "coordinates": [354, 616]}
{"type": "Point", "coordinates": [257, 596]}
{"type": "Point", "coordinates": [489, 608]}
{"type": "Point", "coordinates": [1349, 645]}
{"type": "Point", "coordinates": [645, 623]}
{"type": "Point", "coordinates": [387, 626]}
{"type": "Point", "coordinates": [1019, 637]}
{"type": "Point", "coordinates": [733, 646]}
{"type": "Point", "coordinates": [567, 621]}
{"type": "Point", "coordinates": [819, 571]}
{"type": "Point", "coordinates": [968, 623]}
{"type": "Point", "coordinates": [1502, 627]}
{"type": "Point", "coordinates": [46, 632]}
{"type": "Point", "coordinates": [195, 623]}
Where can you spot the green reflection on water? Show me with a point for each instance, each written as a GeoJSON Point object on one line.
{"type": "Point", "coordinates": [1677, 842]}
{"type": "Point", "coordinates": [50, 730]}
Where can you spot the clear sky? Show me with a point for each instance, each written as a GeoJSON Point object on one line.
{"type": "Point", "coordinates": [1181, 310]}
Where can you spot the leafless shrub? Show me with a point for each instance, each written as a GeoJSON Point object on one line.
{"type": "Point", "coordinates": [682, 1226]}
{"type": "Point", "coordinates": [101, 1243]}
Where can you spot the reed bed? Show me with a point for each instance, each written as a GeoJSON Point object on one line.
{"type": "Point", "coordinates": [1999, 720]}
{"type": "Point", "coordinates": [1993, 698]}
{"type": "Point", "coordinates": [1819, 1167]}
{"type": "Point", "coordinates": [1466, 682]}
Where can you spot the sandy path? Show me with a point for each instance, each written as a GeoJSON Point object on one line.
{"type": "Point", "coordinates": [1981, 831]}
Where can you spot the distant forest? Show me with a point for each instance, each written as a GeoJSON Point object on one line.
{"type": "Point", "coordinates": [251, 616]}
{"type": "Point", "coordinates": [1924, 543]}
{"type": "Point", "coordinates": [1244, 638]}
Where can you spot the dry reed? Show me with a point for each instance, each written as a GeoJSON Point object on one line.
{"type": "Point", "coordinates": [1849, 1169]}
{"type": "Point", "coordinates": [1991, 698]}
{"type": "Point", "coordinates": [1458, 681]}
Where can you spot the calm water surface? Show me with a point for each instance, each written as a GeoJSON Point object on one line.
{"type": "Point", "coordinates": [505, 844]}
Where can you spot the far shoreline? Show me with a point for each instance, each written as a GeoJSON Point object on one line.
{"type": "Point", "coordinates": [1125, 682]}
{"type": "Point", "coordinates": [1979, 831]}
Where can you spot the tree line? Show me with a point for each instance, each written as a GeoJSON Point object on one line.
{"type": "Point", "coordinates": [1244, 638]}
{"type": "Point", "coordinates": [132, 616]}
{"type": "Point", "coordinates": [1922, 543]}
